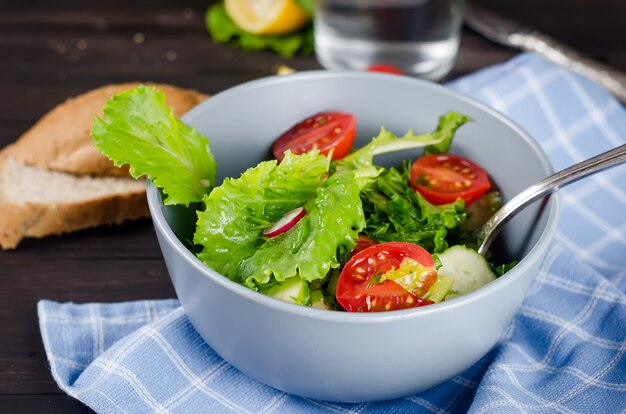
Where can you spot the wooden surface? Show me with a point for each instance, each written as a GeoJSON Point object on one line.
{"type": "Point", "coordinates": [52, 50]}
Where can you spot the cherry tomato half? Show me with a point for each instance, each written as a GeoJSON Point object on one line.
{"type": "Point", "coordinates": [442, 178]}
{"type": "Point", "coordinates": [325, 131]}
{"type": "Point", "coordinates": [382, 67]}
{"type": "Point", "coordinates": [360, 289]}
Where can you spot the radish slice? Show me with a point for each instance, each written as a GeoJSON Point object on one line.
{"type": "Point", "coordinates": [285, 223]}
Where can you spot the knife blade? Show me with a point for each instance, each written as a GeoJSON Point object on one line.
{"type": "Point", "coordinates": [510, 33]}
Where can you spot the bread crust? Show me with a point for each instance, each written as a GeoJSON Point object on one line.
{"type": "Point", "coordinates": [19, 220]}
{"type": "Point", "coordinates": [60, 140]}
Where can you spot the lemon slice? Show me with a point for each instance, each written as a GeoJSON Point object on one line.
{"type": "Point", "coordinates": [267, 17]}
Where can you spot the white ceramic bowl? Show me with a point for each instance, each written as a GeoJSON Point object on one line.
{"type": "Point", "coordinates": [341, 356]}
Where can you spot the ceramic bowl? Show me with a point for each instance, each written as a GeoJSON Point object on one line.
{"type": "Point", "coordinates": [340, 356]}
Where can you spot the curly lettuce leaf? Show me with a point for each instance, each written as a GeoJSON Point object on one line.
{"type": "Point", "coordinates": [223, 30]}
{"type": "Point", "coordinates": [447, 126]}
{"type": "Point", "coordinates": [501, 269]}
{"type": "Point", "coordinates": [310, 249]}
{"type": "Point", "coordinates": [229, 229]}
{"type": "Point", "coordinates": [139, 129]}
{"type": "Point", "coordinates": [362, 160]}
{"type": "Point", "coordinates": [395, 212]}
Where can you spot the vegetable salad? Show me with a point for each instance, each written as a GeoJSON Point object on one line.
{"type": "Point", "coordinates": [321, 225]}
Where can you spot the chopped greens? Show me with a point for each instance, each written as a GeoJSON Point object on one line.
{"type": "Point", "coordinates": [396, 212]}
{"type": "Point", "coordinates": [499, 270]}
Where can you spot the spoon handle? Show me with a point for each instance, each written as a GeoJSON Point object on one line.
{"type": "Point", "coordinates": [544, 187]}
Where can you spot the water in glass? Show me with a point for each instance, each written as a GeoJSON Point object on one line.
{"type": "Point", "coordinates": [419, 37]}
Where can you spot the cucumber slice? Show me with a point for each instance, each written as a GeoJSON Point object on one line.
{"type": "Point", "coordinates": [292, 290]}
{"type": "Point", "coordinates": [468, 269]}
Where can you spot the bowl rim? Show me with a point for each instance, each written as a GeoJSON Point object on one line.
{"type": "Point", "coordinates": [540, 246]}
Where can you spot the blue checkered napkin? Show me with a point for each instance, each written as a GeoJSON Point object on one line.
{"type": "Point", "coordinates": [563, 352]}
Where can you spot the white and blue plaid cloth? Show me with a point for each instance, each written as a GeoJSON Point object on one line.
{"type": "Point", "coordinates": [563, 352]}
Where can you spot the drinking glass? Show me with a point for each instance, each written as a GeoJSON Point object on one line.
{"type": "Point", "coordinates": [418, 37]}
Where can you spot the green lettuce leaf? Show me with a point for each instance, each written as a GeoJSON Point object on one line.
{"type": "Point", "coordinates": [363, 158]}
{"type": "Point", "coordinates": [447, 126]}
{"type": "Point", "coordinates": [229, 229]}
{"type": "Point", "coordinates": [139, 129]}
{"type": "Point", "coordinates": [310, 249]}
{"type": "Point", "coordinates": [223, 30]}
{"type": "Point", "coordinates": [501, 269]}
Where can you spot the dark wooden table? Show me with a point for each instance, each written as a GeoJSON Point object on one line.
{"type": "Point", "coordinates": [52, 50]}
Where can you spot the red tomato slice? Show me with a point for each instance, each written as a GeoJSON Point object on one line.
{"type": "Point", "coordinates": [359, 291]}
{"type": "Point", "coordinates": [325, 131]}
{"type": "Point", "coordinates": [442, 178]}
{"type": "Point", "coordinates": [382, 67]}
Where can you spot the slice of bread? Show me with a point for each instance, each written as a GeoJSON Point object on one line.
{"type": "Point", "coordinates": [60, 140]}
{"type": "Point", "coordinates": [53, 180]}
{"type": "Point", "coordinates": [35, 202]}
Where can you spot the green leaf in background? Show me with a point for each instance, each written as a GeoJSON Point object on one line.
{"type": "Point", "coordinates": [307, 5]}
{"type": "Point", "coordinates": [223, 30]}
{"type": "Point", "coordinates": [230, 228]}
{"type": "Point", "coordinates": [139, 129]}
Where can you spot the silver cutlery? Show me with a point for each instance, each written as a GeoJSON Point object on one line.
{"type": "Point", "coordinates": [509, 33]}
{"type": "Point", "coordinates": [492, 227]}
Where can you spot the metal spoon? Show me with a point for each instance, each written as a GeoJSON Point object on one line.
{"type": "Point", "coordinates": [492, 227]}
